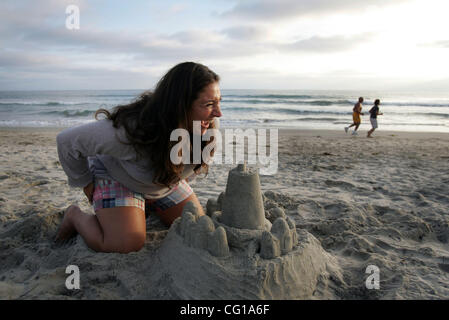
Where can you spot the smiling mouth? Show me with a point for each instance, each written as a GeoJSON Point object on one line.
{"type": "Point", "coordinates": [206, 124]}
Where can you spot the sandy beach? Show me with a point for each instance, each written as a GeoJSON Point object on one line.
{"type": "Point", "coordinates": [381, 201]}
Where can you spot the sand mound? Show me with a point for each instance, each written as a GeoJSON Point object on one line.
{"type": "Point", "coordinates": [237, 253]}
{"type": "Point", "coordinates": [192, 273]}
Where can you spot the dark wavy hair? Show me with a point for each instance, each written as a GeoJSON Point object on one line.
{"type": "Point", "coordinates": [150, 119]}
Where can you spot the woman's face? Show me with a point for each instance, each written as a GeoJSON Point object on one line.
{"type": "Point", "coordinates": [207, 106]}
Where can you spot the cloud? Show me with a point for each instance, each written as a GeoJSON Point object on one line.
{"type": "Point", "coordinates": [178, 7]}
{"type": "Point", "coordinates": [436, 44]}
{"type": "Point", "coordinates": [22, 15]}
{"type": "Point", "coordinates": [269, 10]}
{"type": "Point", "coordinates": [197, 44]}
{"type": "Point", "coordinates": [40, 28]}
{"type": "Point", "coordinates": [67, 76]}
{"type": "Point", "coordinates": [333, 44]}
{"type": "Point", "coordinates": [17, 59]}
{"type": "Point", "coordinates": [247, 33]}
{"type": "Point", "coordinates": [86, 39]}
{"type": "Point", "coordinates": [30, 36]}
{"type": "Point", "coordinates": [38, 49]}
{"type": "Point", "coordinates": [196, 36]}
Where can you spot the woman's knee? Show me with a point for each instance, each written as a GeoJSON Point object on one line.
{"type": "Point", "coordinates": [126, 244]}
{"type": "Point", "coordinates": [124, 229]}
{"type": "Point", "coordinates": [134, 242]}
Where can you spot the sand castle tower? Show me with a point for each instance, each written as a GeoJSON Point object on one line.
{"type": "Point", "coordinates": [242, 202]}
{"type": "Point", "coordinates": [235, 252]}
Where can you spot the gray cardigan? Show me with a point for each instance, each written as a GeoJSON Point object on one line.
{"type": "Point", "coordinates": [102, 140]}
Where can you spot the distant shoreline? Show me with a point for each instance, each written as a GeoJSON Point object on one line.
{"type": "Point", "coordinates": [284, 110]}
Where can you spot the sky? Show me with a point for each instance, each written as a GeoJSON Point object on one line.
{"type": "Point", "coordinates": [251, 44]}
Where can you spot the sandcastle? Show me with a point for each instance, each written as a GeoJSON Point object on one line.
{"type": "Point", "coordinates": [239, 211]}
{"type": "Point", "coordinates": [235, 252]}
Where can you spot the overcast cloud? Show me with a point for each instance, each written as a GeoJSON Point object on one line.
{"type": "Point", "coordinates": [252, 44]}
{"type": "Point", "coordinates": [329, 44]}
{"type": "Point", "coordinates": [281, 9]}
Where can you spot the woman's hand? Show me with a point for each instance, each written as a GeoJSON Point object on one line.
{"type": "Point", "coordinates": [89, 192]}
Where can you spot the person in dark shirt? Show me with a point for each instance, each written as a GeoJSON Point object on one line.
{"type": "Point", "coordinates": [374, 111]}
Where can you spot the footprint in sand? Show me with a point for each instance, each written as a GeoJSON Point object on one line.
{"type": "Point", "coordinates": [444, 267]}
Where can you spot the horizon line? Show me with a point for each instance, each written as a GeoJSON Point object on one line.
{"type": "Point", "coordinates": [241, 89]}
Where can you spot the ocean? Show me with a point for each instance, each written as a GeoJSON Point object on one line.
{"type": "Point", "coordinates": [241, 108]}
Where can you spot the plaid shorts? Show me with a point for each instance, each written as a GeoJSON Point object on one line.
{"type": "Point", "coordinates": [109, 193]}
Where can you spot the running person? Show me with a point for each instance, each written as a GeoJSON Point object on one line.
{"type": "Point", "coordinates": [356, 112]}
{"type": "Point", "coordinates": [374, 111]}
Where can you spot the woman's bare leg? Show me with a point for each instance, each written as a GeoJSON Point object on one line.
{"type": "Point", "coordinates": [170, 215]}
{"type": "Point", "coordinates": [120, 229]}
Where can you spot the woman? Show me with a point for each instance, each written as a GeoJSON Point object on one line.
{"type": "Point", "coordinates": [374, 112]}
{"type": "Point", "coordinates": [129, 157]}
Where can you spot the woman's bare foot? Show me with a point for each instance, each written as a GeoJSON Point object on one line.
{"type": "Point", "coordinates": [67, 230]}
